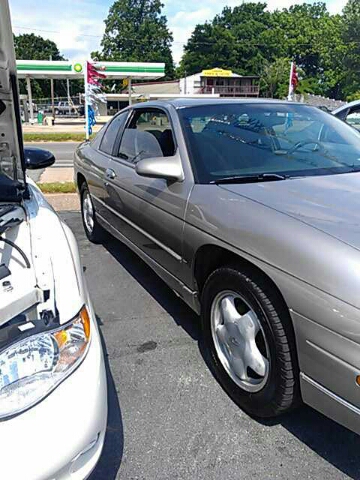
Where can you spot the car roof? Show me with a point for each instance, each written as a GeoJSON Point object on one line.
{"type": "Point", "coordinates": [355, 103]}
{"type": "Point", "coordinates": [195, 102]}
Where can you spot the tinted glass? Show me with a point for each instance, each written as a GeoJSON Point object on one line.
{"type": "Point", "coordinates": [148, 135]}
{"type": "Point", "coordinates": [251, 139]}
{"type": "Point", "coordinates": [107, 144]}
{"type": "Point", "coordinates": [95, 143]}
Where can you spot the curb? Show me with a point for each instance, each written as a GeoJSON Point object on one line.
{"type": "Point", "coordinates": [63, 201]}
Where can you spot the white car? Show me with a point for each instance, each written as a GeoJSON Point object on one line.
{"type": "Point", "coordinates": [53, 393]}
{"type": "Point", "coordinates": [350, 113]}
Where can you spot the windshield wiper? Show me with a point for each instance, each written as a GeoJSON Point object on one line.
{"type": "Point", "coordinates": [262, 177]}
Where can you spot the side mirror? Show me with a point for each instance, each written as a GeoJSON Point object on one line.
{"type": "Point", "coordinates": [169, 168]}
{"type": "Point", "coordinates": [36, 158]}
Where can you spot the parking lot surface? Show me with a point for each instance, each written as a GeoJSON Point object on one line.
{"type": "Point", "coordinates": [168, 417]}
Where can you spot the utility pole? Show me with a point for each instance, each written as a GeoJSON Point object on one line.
{"type": "Point", "coordinates": [129, 85]}
{"type": "Point", "coordinates": [68, 95]}
{"type": "Point", "coordinates": [52, 94]}
{"type": "Point", "coordinates": [31, 108]}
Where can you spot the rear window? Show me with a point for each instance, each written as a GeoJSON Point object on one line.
{"type": "Point", "coordinates": [111, 133]}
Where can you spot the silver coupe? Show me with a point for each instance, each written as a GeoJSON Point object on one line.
{"type": "Point", "coordinates": [250, 211]}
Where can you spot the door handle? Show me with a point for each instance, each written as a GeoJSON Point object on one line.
{"type": "Point", "coordinates": [110, 173]}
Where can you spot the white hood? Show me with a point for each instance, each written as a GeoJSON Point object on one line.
{"type": "Point", "coordinates": [11, 149]}
{"type": "Point", "coordinates": [54, 281]}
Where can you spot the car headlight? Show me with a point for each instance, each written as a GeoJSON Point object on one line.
{"type": "Point", "coordinates": [30, 369]}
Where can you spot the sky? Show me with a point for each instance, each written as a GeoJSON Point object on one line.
{"type": "Point", "coordinates": [76, 26]}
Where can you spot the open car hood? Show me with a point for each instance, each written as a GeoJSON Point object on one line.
{"type": "Point", "coordinates": [12, 164]}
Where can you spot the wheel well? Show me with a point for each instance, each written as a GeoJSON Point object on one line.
{"type": "Point", "coordinates": [210, 257]}
{"type": "Point", "coordinates": [80, 180]}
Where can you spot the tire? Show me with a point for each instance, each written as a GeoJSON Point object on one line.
{"type": "Point", "coordinates": [272, 388]}
{"type": "Point", "coordinates": [93, 230]}
{"type": "Point", "coordinates": [57, 112]}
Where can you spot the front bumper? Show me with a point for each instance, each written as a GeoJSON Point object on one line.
{"type": "Point", "coordinates": [61, 437]}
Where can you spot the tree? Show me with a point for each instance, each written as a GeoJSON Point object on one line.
{"type": "Point", "coordinates": [34, 47]}
{"type": "Point", "coordinates": [135, 31]}
{"type": "Point", "coordinates": [275, 78]}
{"type": "Point", "coordinates": [312, 38]}
{"type": "Point", "coordinates": [235, 39]}
{"type": "Point", "coordinates": [351, 36]}
{"type": "Point", "coordinates": [251, 40]}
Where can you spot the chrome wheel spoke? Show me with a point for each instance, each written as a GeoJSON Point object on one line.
{"type": "Point", "coordinates": [255, 360]}
{"type": "Point", "coordinates": [228, 310]}
{"type": "Point", "coordinates": [88, 213]}
{"type": "Point", "coordinates": [235, 336]}
{"type": "Point", "coordinates": [239, 367]}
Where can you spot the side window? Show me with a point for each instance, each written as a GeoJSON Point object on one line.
{"type": "Point", "coordinates": [353, 118]}
{"type": "Point", "coordinates": [109, 137]}
{"type": "Point", "coordinates": [95, 143]}
{"type": "Point", "coordinates": [148, 135]}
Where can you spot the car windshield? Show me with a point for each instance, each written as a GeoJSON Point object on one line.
{"type": "Point", "coordinates": [230, 140]}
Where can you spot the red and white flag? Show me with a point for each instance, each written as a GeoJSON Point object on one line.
{"type": "Point", "coordinates": [294, 80]}
{"type": "Point", "coordinates": [93, 94]}
{"type": "Point", "coordinates": [94, 75]}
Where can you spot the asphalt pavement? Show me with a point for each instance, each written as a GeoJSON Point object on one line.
{"type": "Point", "coordinates": [64, 155]}
{"type": "Point", "coordinates": [168, 417]}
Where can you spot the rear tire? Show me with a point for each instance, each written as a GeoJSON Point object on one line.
{"type": "Point", "coordinates": [247, 329]}
{"type": "Point", "coordinates": [93, 230]}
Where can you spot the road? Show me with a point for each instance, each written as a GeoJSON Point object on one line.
{"type": "Point", "coordinates": [168, 417]}
{"type": "Point", "coordinates": [64, 155]}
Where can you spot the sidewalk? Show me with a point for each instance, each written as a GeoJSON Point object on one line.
{"type": "Point", "coordinates": [63, 125]}
{"type": "Point", "coordinates": [51, 175]}
{"type": "Point", "coordinates": [64, 201]}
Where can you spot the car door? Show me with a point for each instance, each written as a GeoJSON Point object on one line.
{"type": "Point", "coordinates": [96, 157]}
{"type": "Point", "coordinates": [150, 211]}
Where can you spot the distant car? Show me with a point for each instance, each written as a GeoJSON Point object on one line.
{"type": "Point", "coordinates": [66, 108]}
{"type": "Point", "coordinates": [350, 113]}
{"type": "Point", "coordinates": [53, 395]}
{"type": "Point", "coordinates": [249, 210]}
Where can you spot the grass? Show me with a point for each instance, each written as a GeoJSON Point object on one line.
{"type": "Point", "coordinates": [54, 137]}
{"type": "Point", "coordinates": [57, 187]}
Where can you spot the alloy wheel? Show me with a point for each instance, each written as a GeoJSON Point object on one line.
{"type": "Point", "coordinates": [240, 341]}
{"type": "Point", "coordinates": [88, 212]}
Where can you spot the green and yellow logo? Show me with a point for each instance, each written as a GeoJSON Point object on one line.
{"type": "Point", "coordinates": [78, 67]}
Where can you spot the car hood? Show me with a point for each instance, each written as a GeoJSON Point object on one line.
{"type": "Point", "coordinates": [328, 203]}
{"type": "Point", "coordinates": [51, 277]}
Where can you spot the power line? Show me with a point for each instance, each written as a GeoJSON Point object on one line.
{"type": "Point", "coordinates": [242, 42]}
{"type": "Point", "coordinates": [53, 31]}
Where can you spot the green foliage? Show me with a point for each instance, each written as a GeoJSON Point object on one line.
{"type": "Point", "coordinates": [275, 78]}
{"type": "Point", "coordinates": [249, 39]}
{"type": "Point", "coordinates": [351, 59]}
{"type": "Point", "coordinates": [353, 97]}
{"type": "Point", "coordinates": [54, 137]}
{"type": "Point", "coordinates": [33, 47]}
{"type": "Point", "coordinates": [135, 31]}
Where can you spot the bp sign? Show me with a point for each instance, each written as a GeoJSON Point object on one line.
{"type": "Point", "coordinates": [78, 67]}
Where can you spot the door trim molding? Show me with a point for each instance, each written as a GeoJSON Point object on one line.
{"type": "Point", "coordinates": [139, 229]}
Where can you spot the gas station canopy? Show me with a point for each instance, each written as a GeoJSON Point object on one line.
{"type": "Point", "coordinates": [40, 69]}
